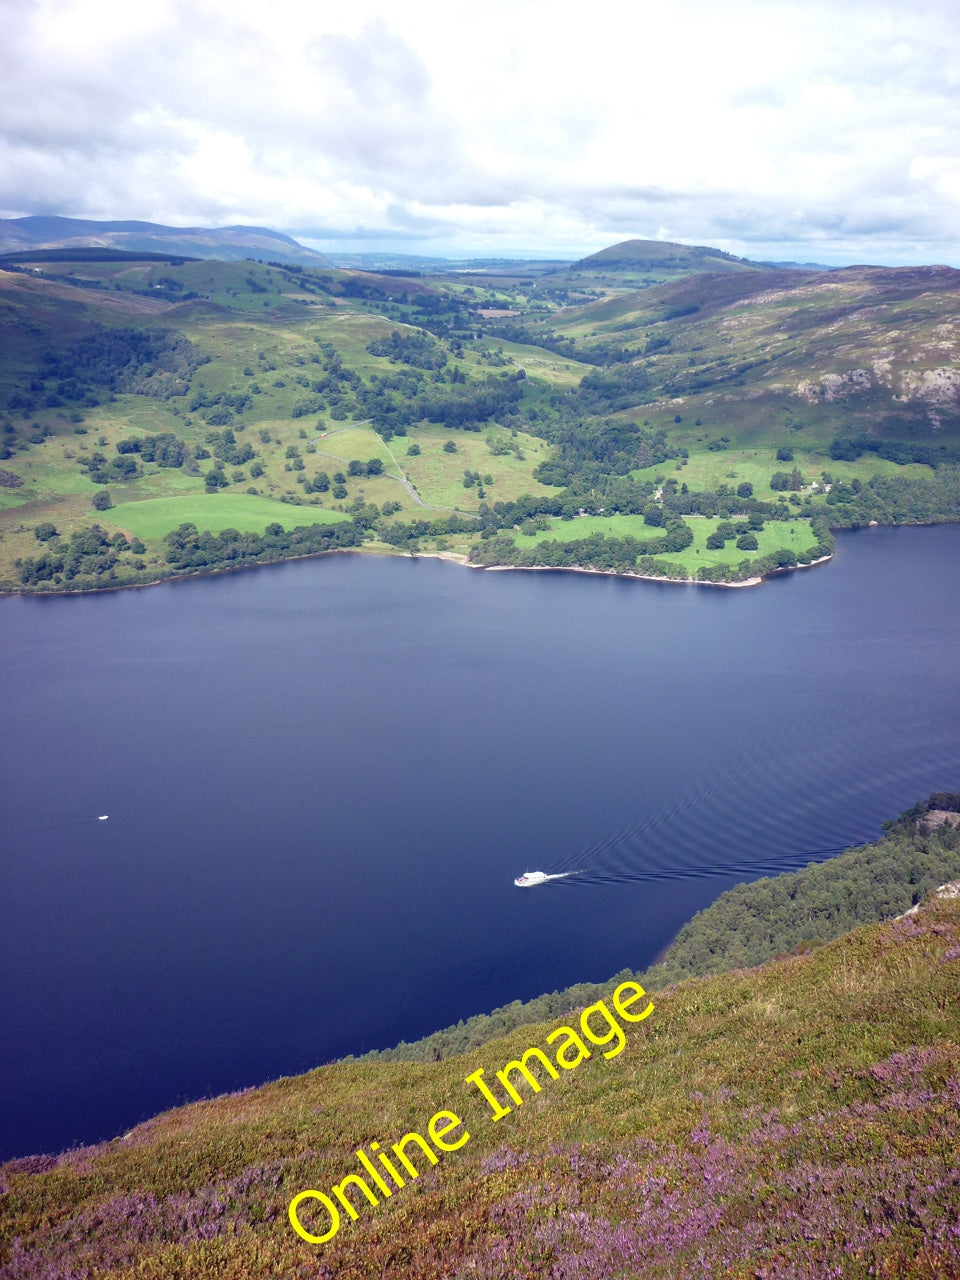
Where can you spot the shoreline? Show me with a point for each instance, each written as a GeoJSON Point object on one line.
{"type": "Point", "coordinates": [452, 557]}
{"type": "Point", "coordinates": [607, 573]}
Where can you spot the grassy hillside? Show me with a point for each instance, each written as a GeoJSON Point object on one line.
{"type": "Point", "coordinates": [263, 386]}
{"type": "Point", "coordinates": [732, 414]}
{"type": "Point", "coordinates": [797, 1120]}
{"type": "Point", "coordinates": [765, 355]}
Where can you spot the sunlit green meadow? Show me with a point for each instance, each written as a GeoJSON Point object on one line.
{"type": "Point", "coordinates": [792, 535]}
{"type": "Point", "coordinates": [438, 475]}
{"type": "Point", "coordinates": [706, 469]}
{"type": "Point", "coordinates": [214, 512]}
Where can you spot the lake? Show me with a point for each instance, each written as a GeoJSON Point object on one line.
{"type": "Point", "coordinates": [323, 776]}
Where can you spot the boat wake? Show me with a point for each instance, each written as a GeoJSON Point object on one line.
{"type": "Point", "coordinates": [530, 879]}
{"type": "Point", "coordinates": [764, 813]}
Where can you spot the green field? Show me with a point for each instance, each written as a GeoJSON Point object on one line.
{"type": "Point", "coordinates": [794, 535]}
{"type": "Point", "coordinates": [706, 469]}
{"type": "Point", "coordinates": [557, 370]}
{"type": "Point", "coordinates": [584, 526]}
{"type": "Point", "coordinates": [342, 444]}
{"type": "Point", "coordinates": [438, 475]}
{"type": "Point", "coordinates": [213, 512]}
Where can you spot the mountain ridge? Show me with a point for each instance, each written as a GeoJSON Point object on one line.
{"type": "Point", "coordinates": [231, 243]}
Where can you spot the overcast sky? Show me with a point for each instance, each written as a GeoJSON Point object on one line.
{"type": "Point", "coordinates": [805, 131]}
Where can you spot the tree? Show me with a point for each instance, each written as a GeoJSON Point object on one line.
{"type": "Point", "coordinates": [747, 542]}
{"type": "Point", "coordinates": [644, 457]}
{"type": "Point", "coordinates": [44, 532]}
{"type": "Point", "coordinates": [102, 501]}
{"type": "Point", "coordinates": [449, 446]}
{"type": "Point", "coordinates": [745, 490]}
{"type": "Point", "coordinates": [355, 467]}
{"type": "Point", "coordinates": [784, 455]}
{"type": "Point", "coordinates": [413, 451]}
{"type": "Point", "coordinates": [375, 467]}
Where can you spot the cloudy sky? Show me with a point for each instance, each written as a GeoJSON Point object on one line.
{"type": "Point", "coordinates": [806, 131]}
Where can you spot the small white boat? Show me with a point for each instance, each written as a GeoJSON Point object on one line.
{"type": "Point", "coordinates": [102, 817]}
{"type": "Point", "coordinates": [530, 879]}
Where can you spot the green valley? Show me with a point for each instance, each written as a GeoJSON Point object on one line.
{"type": "Point", "coordinates": [620, 413]}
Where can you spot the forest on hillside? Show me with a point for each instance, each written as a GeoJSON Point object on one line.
{"type": "Point", "coordinates": [754, 922]}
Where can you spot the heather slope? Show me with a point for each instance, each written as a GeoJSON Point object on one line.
{"type": "Point", "coordinates": [864, 350]}
{"type": "Point", "coordinates": [796, 1120]}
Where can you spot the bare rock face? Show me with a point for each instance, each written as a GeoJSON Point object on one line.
{"type": "Point", "coordinates": [935, 818]}
{"type": "Point", "coordinates": [944, 893]}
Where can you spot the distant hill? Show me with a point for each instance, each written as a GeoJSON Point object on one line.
{"type": "Point", "coordinates": [797, 266]}
{"type": "Point", "coordinates": [663, 255]}
{"type": "Point", "coordinates": [231, 244]}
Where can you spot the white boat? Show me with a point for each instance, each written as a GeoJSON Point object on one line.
{"type": "Point", "coordinates": [102, 817]}
{"type": "Point", "coordinates": [531, 878]}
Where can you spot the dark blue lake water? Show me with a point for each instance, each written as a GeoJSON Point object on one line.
{"type": "Point", "coordinates": [322, 778]}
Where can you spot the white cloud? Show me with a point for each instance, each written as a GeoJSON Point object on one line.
{"type": "Point", "coordinates": [791, 129]}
